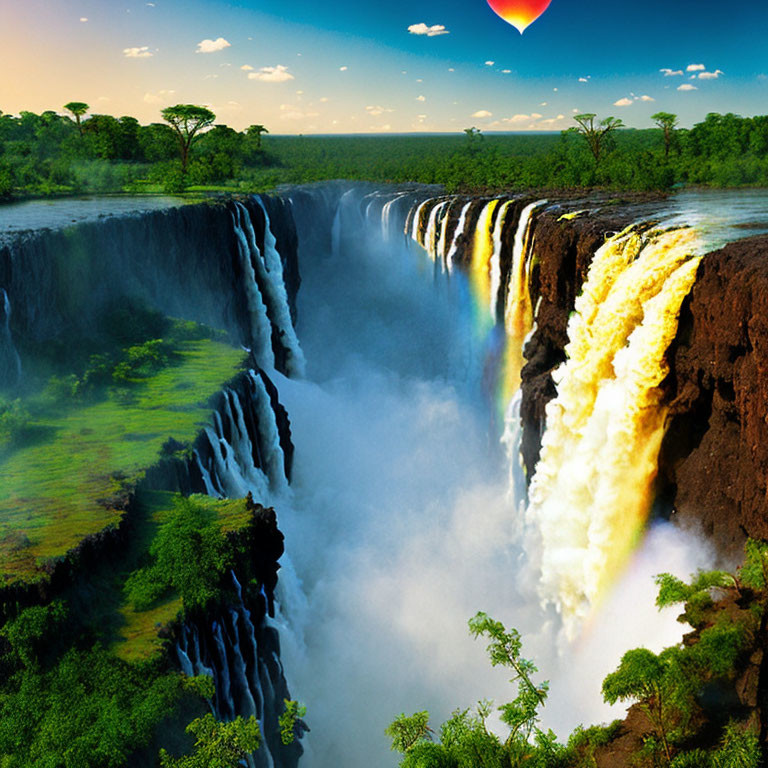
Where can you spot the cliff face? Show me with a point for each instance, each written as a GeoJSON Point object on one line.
{"type": "Point", "coordinates": [184, 261]}
{"type": "Point", "coordinates": [714, 462]}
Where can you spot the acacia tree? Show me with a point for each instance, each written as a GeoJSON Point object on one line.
{"type": "Point", "coordinates": [667, 122]}
{"type": "Point", "coordinates": [596, 134]}
{"type": "Point", "coordinates": [78, 109]}
{"type": "Point", "coordinates": [187, 120]}
{"type": "Point", "coordinates": [256, 130]}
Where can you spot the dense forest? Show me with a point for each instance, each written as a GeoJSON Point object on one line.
{"type": "Point", "coordinates": [54, 154]}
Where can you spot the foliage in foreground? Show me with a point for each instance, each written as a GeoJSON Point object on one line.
{"type": "Point", "coordinates": [217, 744]}
{"type": "Point", "coordinates": [687, 693]}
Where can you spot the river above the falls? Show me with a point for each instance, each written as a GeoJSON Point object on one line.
{"type": "Point", "coordinates": [69, 211]}
{"type": "Point", "coordinates": [720, 215]}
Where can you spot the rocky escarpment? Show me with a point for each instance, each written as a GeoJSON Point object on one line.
{"type": "Point", "coordinates": [714, 461]}
{"type": "Point", "coordinates": [260, 428]}
{"type": "Point", "coordinates": [185, 262]}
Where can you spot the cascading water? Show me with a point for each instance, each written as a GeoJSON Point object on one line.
{"type": "Point", "coordinates": [239, 656]}
{"type": "Point", "coordinates": [480, 267]}
{"type": "Point", "coordinates": [459, 231]}
{"type": "Point", "coordinates": [235, 460]}
{"type": "Point", "coordinates": [518, 310]}
{"type": "Point", "coordinates": [260, 327]}
{"type": "Point", "coordinates": [10, 362]}
{"type": "Point", "coordinates": [593, 487]}
{"type": "Point", "coordinates": [274, 288]}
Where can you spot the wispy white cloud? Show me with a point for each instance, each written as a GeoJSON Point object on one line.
{"type": "Point", "coordinates": [343, 69]}
{"type": "Point", "coordinates": [423, 29]}
{"type": "Point", "coordinates": [687, 87]}
{"type": "Point", "coordinates": [421, 98]}
{"type": "Point", "coordinates": [695, 68]}
{"type": "Point", "coordinates": [711, 75]}
{"type": "Point", "coordinates": [83, 19]}
{"type": "Point", "coordinates": [276, 74]}
{"type": "Point", "coordinates": [247, 68]}
{"type": "Point", "coordinates": [645, 97]}
{"type": "Point", "coordinates": [625, 102]}
{"type": "Point", "coordinates": [506, 71]}
{"type": "Point", "coordinates": [290, 112]}
{"type": "Point", "coordinates": [158, 97]}
{"type": "Point", "coordinates": [482, 113]}
{"type": "Point", "coordinates": [212, 46]}
{"type": "Point", "coordinates": [377, 110]}
{"type": "Point", "coordinates": [667, 72]}
{"type": "Point", "coordinates": [489, 63]}
{"type": "Point", "coordinates": [142, 52]}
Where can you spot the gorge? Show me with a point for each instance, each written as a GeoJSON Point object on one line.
{"type": "Point", "coordinates": [513, 404]}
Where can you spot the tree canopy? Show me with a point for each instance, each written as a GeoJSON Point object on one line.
{"type": "Point", "coordinates": [187, 120]}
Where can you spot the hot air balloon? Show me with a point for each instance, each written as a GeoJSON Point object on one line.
{"type": "Point", "coordinates": [519, 13]}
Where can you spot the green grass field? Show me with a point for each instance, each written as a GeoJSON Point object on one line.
{"type": "Point", "coordinates": [61, 484]}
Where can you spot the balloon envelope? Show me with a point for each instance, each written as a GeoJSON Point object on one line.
{"type": "Point", "coordinates": [519, 13]}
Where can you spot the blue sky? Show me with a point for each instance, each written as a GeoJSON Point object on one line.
{"type": "Point", "coordinates": [349, 66]}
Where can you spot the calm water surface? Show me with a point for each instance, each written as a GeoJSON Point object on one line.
{"type": "Point", "coordinates": [59, 214]}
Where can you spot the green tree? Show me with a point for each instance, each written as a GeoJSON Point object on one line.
{"type": "Point", "coordinates": [668, 123]}
{"type": "Point", "coordinates": [646, 678]}
{"type": "Point", "coordinates": [217, 744]}
{"type": "Point", "coordinates": [407, 730]}
{"type": "Point", "coordinates": [78, 109]}
{"type": "Point", "coordinates": [596, 134]}
{"type": "Point", "coordinates": [255, 131]}
{"type": "Point", "coordinates": [188, 555]}
{"type": "Point", "coordinates": [288, 720]}
{"type": "Point", "coordinates": [187, 120]}
{"type": "Point", "coordinates": [505, 648]}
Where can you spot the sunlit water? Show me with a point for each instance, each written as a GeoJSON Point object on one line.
{"type": "Point", "coordinates": [720, 216]}
{"type": "Point", "coordinates": [66, 212]}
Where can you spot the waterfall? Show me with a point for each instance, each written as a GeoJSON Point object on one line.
{"type": "Point", "coordinates": [260, 327]}
{"type": "Point", "coordinates": [235, 460]}
{"type": "Point", "coordinates": [226, 707]}
{"type": "Point", "coordinates": [518, 313]}
{"type": "Point", "coordinates": [241, 670]}
{"type": "Point", "coordinates": [495, 269]}
{"type": "Point", "coordinates": [415, 231]}
{"type": "Point", "coordinates": [443, 239]}
{"type": "Point", "coordinates": [593, 486]}
{"type": "Point", "coordinates": [273, 457]}
{"type": "Point", "coordinates": [386, 215]}
{"type": "Point", "coordinates": [512, 439]}
{"type": "Point", "coordinates": [459, 231]}
{"type": "Point", "coordinates": [430, 237]}
{"type": "Point", "coordinates": [10, 362]}
{"type": "Point", "coordinates": [482, 249]}
{"type": "Point", "coordinates": [274, 285]}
